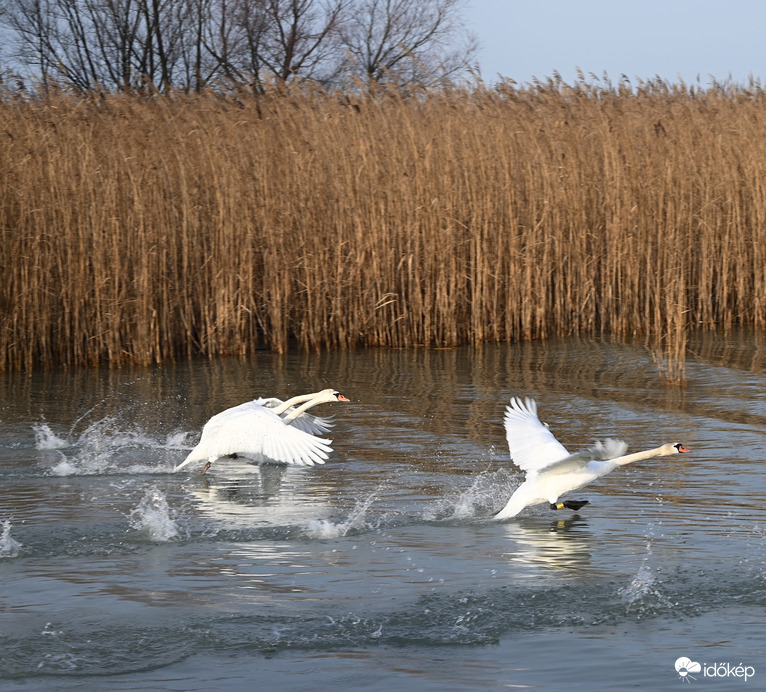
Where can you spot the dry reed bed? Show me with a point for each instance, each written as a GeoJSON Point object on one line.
{"type": "Point", "coordinates": [138, 230]}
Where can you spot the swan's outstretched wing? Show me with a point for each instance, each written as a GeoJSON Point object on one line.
{"type": "Point", "coordinates": [532, 446]}
{"type": "Point", "coordinates": [253, 431]}
{"type": "Point", "coordinates": [269, 402]}
{"type": "Point", "coordinates": [309, 423]}
{"type": "Point", "coordinates": [600, 451]}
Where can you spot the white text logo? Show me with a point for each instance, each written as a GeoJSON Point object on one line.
{"type": "Point", "coordinates": [685, 668]}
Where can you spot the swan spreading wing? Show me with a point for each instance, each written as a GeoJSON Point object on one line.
{"type": "Point", "coordinates": [255, 432]}
{"type": "Point", "coordinates": [307, 422]}
{"type": "Point", "coordinates": [550, 470]}
{"type": "Point", "coordinates": [534, 447]}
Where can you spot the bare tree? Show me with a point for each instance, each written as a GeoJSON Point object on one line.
{"type": "Point", "coordinates": [258, 41]}
{"type": "Point", "coordinates": [405, 42]}
{"type": "Point", "coordinates": [33, 23]}
{"type": "Point", "coordinates": [116, 28]}
{"type": "Point", "coordinates": [300, 42]}
{"type": "Point", "coordinates": [190, 44]}
{"type": "Point", "coordinates": [109, 44]}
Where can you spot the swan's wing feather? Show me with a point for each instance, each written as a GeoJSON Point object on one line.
{"type": "Point", "coordinates": [263, 436]}
{"type": "Point", "coordinates": [297, 447]}
{"type": "Point", "coordinates": [269, 402]}
{"type": "Point", "coordinates": [532, 445]}
{"type": "Point", "coordinates": [599, 451]}
{"type": "Point", "coordinates": [314, 425]}
{"type": "Point", "coordinates": [608, 449]}
{"type": "Point", "coordinates": [253, 431]}
{"type": "Point", "coordinates": [309, 423]}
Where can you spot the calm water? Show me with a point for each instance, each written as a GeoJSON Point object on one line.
{"type": "Point", "coordinates": [383, 569]}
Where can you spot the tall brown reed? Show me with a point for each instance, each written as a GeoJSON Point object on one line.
{"type": "Point", "coordinates": [138, 230]}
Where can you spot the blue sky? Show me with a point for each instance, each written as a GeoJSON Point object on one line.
{"type": "Point", "coordinates": [672, 39]}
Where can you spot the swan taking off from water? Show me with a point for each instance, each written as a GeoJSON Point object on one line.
{"type": "Point", "coordinates": [551, 471]}
{"type": "Point", "coordinates": [268, 430]}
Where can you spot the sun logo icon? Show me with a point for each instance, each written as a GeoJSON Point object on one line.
{"type": "Point", "coordinates": [685, 667]}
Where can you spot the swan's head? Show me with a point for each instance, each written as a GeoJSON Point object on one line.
{"type": "Point", "coordinates": [677, 448]}
{"type": "Point", "coordinates": [329, 395]}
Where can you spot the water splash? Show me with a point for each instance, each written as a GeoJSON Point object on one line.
{"type": "Point", "coordinates": [644, 591]}
{"type": "Point", "coordinates": [46, 439]}
{"type": "Point", "coordinates": [64, 468]}
{"type": "Point", "coordinates": [8, 546]}
{"type": "Point", "coordinates": [324, 528]}
{"type": "Point", "coordinates": [154, 517]}
{"type": "Point", "coordinates": [488, 493]}
{"type": "Point", "coordinates": [641, 586]}
{"type": "Point", "coordinates": [107, 446]}
{"type": "Point", "coordinates": [50, 631]}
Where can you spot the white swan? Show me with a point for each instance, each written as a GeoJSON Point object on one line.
{"type": "Point", "coordinates": [551, 471]}
{"type": "Point", "coordinates": [267, 430]}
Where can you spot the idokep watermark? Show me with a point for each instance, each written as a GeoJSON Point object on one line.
{"type": "Point", "coordinates": [689, 670]}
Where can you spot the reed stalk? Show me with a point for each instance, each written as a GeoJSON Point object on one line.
{"type": "Point", "coordinates": [142, 230]}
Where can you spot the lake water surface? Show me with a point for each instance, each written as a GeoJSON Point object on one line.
{"type": "Point", "coordinates": [383, 568]}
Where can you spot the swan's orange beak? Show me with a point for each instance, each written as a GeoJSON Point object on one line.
{"type": "Point", "coordinates": [682, 449]}
{"type": "Point", "coordinates": [340, 397]}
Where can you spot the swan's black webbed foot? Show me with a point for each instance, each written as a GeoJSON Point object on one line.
{"type": "Point", "coordinates": [570, 504]}
{"type": "Point", "coordinates": [207, 466]}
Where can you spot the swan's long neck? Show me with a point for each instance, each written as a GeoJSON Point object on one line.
{"type": "Point", "coordinates": [638, 456]}
{"type": "Point", "coordinates": [313, 401]}
{"type": "Point", "coordinates": [292, 402]}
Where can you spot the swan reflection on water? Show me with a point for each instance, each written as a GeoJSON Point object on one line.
{"type": "Point", "coordinates": [258, 494]}
{"type": "Point", "coordinates": [563, 544]}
